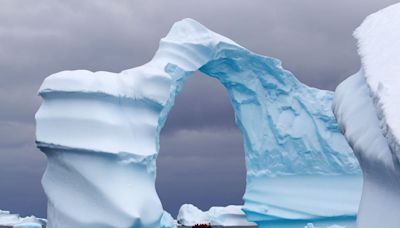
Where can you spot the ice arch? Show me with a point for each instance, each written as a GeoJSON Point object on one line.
{"type": "Point", "coordinates": [100, 132]}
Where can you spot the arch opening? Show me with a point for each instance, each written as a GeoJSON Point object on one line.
{"type": "Point", "coordinates": [205, 148]}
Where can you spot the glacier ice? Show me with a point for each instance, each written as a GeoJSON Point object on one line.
{"type": "Point", "coordinates": [366, 107]}
{"type": "Point", "coordinates": [231, 215]}
{"type": "Point", "coordinates": [14, 220]}
{"type": "Point", "coordinates": [100, 132]}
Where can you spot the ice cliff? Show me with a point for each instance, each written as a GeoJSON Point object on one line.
{"type": "Point", "coordinates": [367, 108]}
{"type": "Point", "coordinates": [100, 132]}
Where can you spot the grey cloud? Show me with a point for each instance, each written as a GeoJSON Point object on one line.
{"type": "Point", "coordinates": [14, 134]}
{"type": "Point", "coordinates": [104, 35]}
{"type": "Point", "coordinates": [178, 142]}
{"type": "Point", "coordinates": [19, 105]}
{"type": "Point", "coordinates": [203, 103]}
{"type": "Point", "coordinates": [21, 169]}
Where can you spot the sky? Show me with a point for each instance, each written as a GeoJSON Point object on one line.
{"type": "Point", "coordinates": [201, 155]}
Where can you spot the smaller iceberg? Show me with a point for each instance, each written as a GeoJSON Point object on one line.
{"type": "Point", "coordinates": [232, 215]}
{"type": "Point", "coordinates": [8, 219]}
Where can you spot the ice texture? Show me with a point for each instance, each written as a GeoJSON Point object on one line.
{"type": "Point", "coordinates": [231, 215]}
{"type": "Point", "coordinates": [14, 220]}
{"type": "Point", "coordinates": [367, 108]}
{"type": "Point", "coordinates": [100, 132]}
{"type": "Point", "coordinates": [167, 221]}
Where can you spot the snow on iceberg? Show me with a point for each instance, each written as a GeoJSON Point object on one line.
{"type": "Point", "coordinates": [100, 132]}
{"type": "Point", "coordinates": [14, 220]}
{"type": "Point", "coordinates": [232, 215]}
{"type": "Point", "coordinates": [366, 106]}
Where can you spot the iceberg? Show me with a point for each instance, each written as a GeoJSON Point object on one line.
{"type": "Point", "coordinates": [190, 215]}
{"type": "Point", "coordinates": [8, 219]}
{"type": "Point", "coordinates": [366, 106]}
{"type": "Point", "coordinates": [231, 215]}
{"type": "Point", "coordinates": [100, 132]}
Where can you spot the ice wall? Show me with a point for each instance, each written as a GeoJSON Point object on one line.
{"type": "Point", "coordinates": [100, 132]}
{"type": "Point", "coordinates": [367, 108]}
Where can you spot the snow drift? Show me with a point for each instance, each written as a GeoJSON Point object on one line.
{"type": "Point", "coordinates": [367, 107]}
{"type": "Point", "coordinates": [100, 132]}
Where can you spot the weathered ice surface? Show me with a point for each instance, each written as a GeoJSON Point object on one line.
{"type": "Point", "coordinates": [100, 132]}
{"type": "Point", "coordinates": [14, 220]}
{"type": "Point", "coordinates": [367, 108]}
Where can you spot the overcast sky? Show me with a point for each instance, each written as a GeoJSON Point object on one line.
{"type": "Point", "coordinates": [202, 158]}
